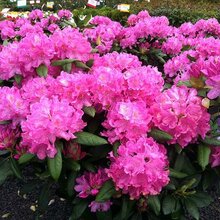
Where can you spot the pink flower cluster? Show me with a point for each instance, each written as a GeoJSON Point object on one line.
{"type": "Point", "coordinates": [35, 49]}
{"type": "Point", "coordinates": [105, 34]}
{"type": "Point", "coordinates": [89, 184]}
{"type": "Point", "coordinates": [127, 121]}
{"type": "Point", "coordinates": [215, 157]}
{"type": "Point", "coordinates": [179, 112]}
{"type": "Point", "coordinates": [8, 137]}
{"type": "Point", "coordinates": [140, 168]}
{"type": "Point", "coordinates": [130, 98]}
{"type": "Point", "coordinates": [145, 32]}
{"type": "Point", "coordinates": [66, 14]}
{"type": "Point", "coordinates": [50, 119]}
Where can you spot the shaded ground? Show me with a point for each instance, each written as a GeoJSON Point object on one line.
{"type": "Point", "coordinates": [19, 208]}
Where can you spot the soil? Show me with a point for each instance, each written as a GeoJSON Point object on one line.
{"type": "Point", "coordinates": [14, 207]}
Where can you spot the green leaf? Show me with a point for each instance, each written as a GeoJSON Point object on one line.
{"type": "Point", "coordinates": [154, 204]}
{"type": "Point", "coordinates": [170, 186]}
{"type": "Point", "coordinates": [209, 178]}
{"type": "Point", "coordinates": [62, 62]}
{"type": "Point", "coordinates": [211, 141]}
{"type": "Point", "coordinates": [15, 168]}
{"type": "Point", "coordinates": [203, 155]}
{"type": "Point", "coordinates": [137, 216]}
{"type": "Point", "coordinates": [188, 168]}
{"type": "Point", "coordinates": [104, 215]}
{"type": "Point", "coordinates": [5, 171]}
{"type": "Point", "coordinates": [115, 148]}
{"type": "Point", "coordinates": [67, 67]}
{"type": "Point", "coordinates": [184, 83]}
{"type": "Point", "coordinates": [18, 79]}
{"type": "Point", "coordinates": [127, 209]}
{"type": "Point", "coordinates": [196, 178]}
{"type": "Point", "coordinates": [25, 158]}
{"type": "Point", "coordinates": [81, 65]}
{"type": "Point", "coordinates": [44, 197]}
{"type": "Point", "coordinates": [89, 166]}
{"type": "Point", "coordinates": [55, 164]}
{"type": "Point", "coordinates": [72, 164]}
{"type": "Point", "coordinates": [89, 110]}
{"type": "Point", "coordinates": [202, 92]}
{"type": "Point", "coordinates": [87, 19]}
{"type": "Point", "coordinates": [124, 209]}
{"type": "Point", "coordinates": [69, 23]}
{"type": "Point", "coordinates": [71, 183]}
{"type": "Point", "coordinates": [106, 192]}
{"type": "Point", "coordinates": [159, 135]}
{"type": "Point", "coordinates": [89, 139]}
{"type": "Point", "coordinates": [177, 174]}
{"type": "Point", "coordinates": [160, 58]}
{"type": "Point", "coordinates": [193, 59]}
{"type": "Point", "coordinates": [6, 122]}
{"type": "Point", "coordinates": [42, 70]}
{"type": "Point", "coordinates": [179, 163]}
{"type": "Point", "coordinates": [192, 209]}
{"type": "Point", "coordinates": [5, 43]}
{"type": "Point", "coordinates": [186, 47]}
{"type": "Point", "coordinates": [201, 199]}
{"type": "Point", "coordinates": [90, 63]}
{"type": "Point", "coordinates": [168, 205]}
{"type": "Point", "coordinates": [79, 209]}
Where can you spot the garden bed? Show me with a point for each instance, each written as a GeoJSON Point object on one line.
{"type": "Point", "coordinates": [109, 121]}
{"type": "Point", "coordinates": [20, 208]}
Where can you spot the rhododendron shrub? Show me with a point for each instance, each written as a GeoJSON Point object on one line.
{"type": "Point", "coordinates": [123, 119]}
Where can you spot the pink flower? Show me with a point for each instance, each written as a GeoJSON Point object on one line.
{"type": "Point", "coordinates": [27, 28]}
{"type": "Point", "coordinates": [20, 150]}
{"type": "Point", "coordinates": [70, 43]}
{"type": "Point", "coordinates": [214, 82]}
{"type": "Point", "coordinates": [9, 61]}
{"type": "Point", "coordinates": [48, 120]}
{"type": "Point", "coordinates": [172, 46]}
{"type": "Point", "coordinates": [178, 64]}
{"type": "Point", "coordinates": [90, 183]}
{"type": "Point", "coordinates": [215, 157]}
{"type": "Point", "coordinates": [12, 106]}
{"type": "Point", "coordinates": [7, 29]}
{"type": "Point", "coordinates": [34, 89]}
{"type": "Point", "coordinates": [127, 121]}
{"type": "Point", "coordinates": [179, 112]}
{"type": "Point", "coordinates": [133, 19]}
{"type": "Point", "coordinates": [44, 23]}
{"type": "Point", "coordinates": [140, 168]}
{"type": "Point", "coordinates": [34, 50]}
{"type": "Point", "coordinates": [143, 83]}
{"type": "Point", "coordinates": [107, 81]}
{"type": "Point", "coordinates": [66, 14]}
{"type": "Point", "coordinates": [100, 206]}
{"type": "Point", "coordinates": [145, 27]}
{"type": "Point", "coordinates": [53, 19]}
{"type": "Point", "coordinates": [104, 35]}
{"type": "Point", "coordinates": [73, 150]}
{"type": "Point", "coordinates": [119, 61]}
{"type": "Point", "coordinates": [97, 20]}
{"type": "Point", "coordinates": [76, 88]}
{"type": "Point", "coordinates": [20, 21]}
{"type": "Point", "coordinates": [53, 27]}
{"type": "Point", "coordinates": [36, 15]}
{"type": "Point", "coordinates": [8, 137]}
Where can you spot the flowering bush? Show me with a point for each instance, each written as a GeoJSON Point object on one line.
{"type": "Point", "coordinates": [116, 115]}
